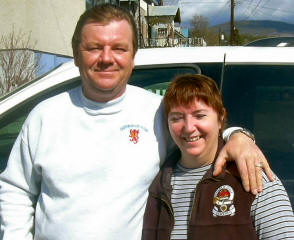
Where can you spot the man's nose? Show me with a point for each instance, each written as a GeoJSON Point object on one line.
{"type": "Point", "coordinates": [106, 55]}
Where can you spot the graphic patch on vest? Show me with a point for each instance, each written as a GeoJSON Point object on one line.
{"type": "Point", "coordinates": [134, 135]}
{"type": "Point", "coordinates": [223, 202]}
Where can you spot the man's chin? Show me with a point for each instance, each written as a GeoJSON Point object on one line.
{"type": "Point", "coordinates": [107, 93]}
{"type": "Point", "coordinates": [105, 75]}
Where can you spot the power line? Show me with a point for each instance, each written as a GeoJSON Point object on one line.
{"type": "Point", "coordinates": [200, 2]}
{"type": "Point", "coordinates": [253, 10]}
{"type": "Point", "coordinates": [265, 14]}
{"type": "Point", "coordinates": [277, 9]}
{"type": "Point", "coordinates": [257, 9]}
{"type": "Point", "coordinates": [246, 9]}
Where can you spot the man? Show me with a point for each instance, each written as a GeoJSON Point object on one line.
{"type": "Point", "coordinates": [83, 162]}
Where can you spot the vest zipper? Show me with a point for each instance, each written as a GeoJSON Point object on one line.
{"type": "Point", "coordinates": [193, 203]}
{"type": "Point", "coordinates": [166, 203]}
{"type": "Point", "coordinates": [171, 212]}
{"type": "Point", "coordinates": [169, 207]}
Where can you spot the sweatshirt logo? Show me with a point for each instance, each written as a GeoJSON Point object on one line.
{"type": "Point", "coordinates": [134, 135]}
{"type": "Point", "coordinates": [223, 202]}
{"type": "Point", "coordinates": [133, 132]}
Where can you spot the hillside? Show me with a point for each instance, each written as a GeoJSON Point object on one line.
{"type": "Point", "coordinates": [262, 27]}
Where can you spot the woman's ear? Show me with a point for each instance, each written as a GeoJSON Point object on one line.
{"type": "Point", "coordinates": [222, 120]}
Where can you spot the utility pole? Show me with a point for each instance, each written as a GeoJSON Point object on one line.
{"type": "Point", "coordinates": [232, 38]}
{"type": "Point", "coordinates": [148, 26]}
{"type": "Point", "coordinates": [139, 25]}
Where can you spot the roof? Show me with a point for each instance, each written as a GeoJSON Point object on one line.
{"type": "Point", "coordinates": [149, 2]}
{"type": "Point", "coordinates": [161, 11]}
{"type": "Point", "coordinates": [273, 42]}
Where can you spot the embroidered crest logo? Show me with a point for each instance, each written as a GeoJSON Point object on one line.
{"type": "Point", "coordinates": [134, 135]}
{"type": "Point", "coordinates": [223, 202]}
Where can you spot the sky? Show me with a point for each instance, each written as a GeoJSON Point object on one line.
{"type": "Point", "coordinates": [219, 11]}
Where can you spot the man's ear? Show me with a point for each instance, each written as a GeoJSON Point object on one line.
{"type": "Point", "coordinates": [133, 63]}
{"type": "Point", "coordinates": [76, 58]}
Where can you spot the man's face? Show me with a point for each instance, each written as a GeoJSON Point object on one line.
{"type": "Point", "coordinates": [105, 58]}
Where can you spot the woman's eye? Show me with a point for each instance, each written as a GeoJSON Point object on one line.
{"type": "Point", "coordinates": [175, 119]}
{"type": "Point", "coordinates": [200, 116]}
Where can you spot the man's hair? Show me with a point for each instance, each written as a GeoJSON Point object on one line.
{"type": "Point", "coordinates": [103, 13]}
{"type": "Point", "coordinates": [185, 89]}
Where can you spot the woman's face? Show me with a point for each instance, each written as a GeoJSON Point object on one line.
{"type": "Point", "coordinates": [195, 129]}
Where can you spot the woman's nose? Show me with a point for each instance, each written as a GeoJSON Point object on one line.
{"type": "Point", "coordinates": [189, 125]}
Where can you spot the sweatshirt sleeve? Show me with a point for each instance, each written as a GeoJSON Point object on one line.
{"type": "Point", "coordinates": [19, 190]}
{"type": "Point", "coordinates": [272, 213]}
{"type": "Point", "coordinates": [228, 132]}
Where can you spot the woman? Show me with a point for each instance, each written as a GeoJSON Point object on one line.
{"type": "Point", "coordinates": [185, 200]}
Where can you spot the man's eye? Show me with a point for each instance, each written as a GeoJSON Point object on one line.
{"type": "Point", "coordinates": [120, 50]}
{"type": "Point", "coordinates": [94, 49]}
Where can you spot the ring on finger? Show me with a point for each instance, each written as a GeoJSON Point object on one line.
{"type": "Point", "coordinates": [258, 165]}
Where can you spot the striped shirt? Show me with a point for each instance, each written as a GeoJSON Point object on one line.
{"type": "Point", "coordinates": [271, 210]}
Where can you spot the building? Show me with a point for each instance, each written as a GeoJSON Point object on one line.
{"type": "Point", "coordinates": [50, 22]}
{"type": "Point", "coordinates": [162, 21]}
{"type": "Point", "coordinates": [50, 25]}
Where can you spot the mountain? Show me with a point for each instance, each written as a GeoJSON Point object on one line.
{"type": "Point", "coordinates": [260, 27]}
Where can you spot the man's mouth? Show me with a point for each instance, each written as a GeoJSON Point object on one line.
{"type": "Point", "coordinates": [105, 70]}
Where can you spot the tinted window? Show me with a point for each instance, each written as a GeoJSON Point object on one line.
{"type": "Point", "coordinates": [8, 134]}
{"type": "Point", "coordinates": [11, 122]}
{"type": "Point", "coordinates": [261, 98]}
{"type": "Point", "coordinates": [158, 78]}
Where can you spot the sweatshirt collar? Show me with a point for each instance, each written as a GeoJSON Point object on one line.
{"type": "Point", "coordinates": [102, 108]}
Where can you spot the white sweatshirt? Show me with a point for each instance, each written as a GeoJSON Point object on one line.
{"type": "Point", "coordinates": [81, 169]}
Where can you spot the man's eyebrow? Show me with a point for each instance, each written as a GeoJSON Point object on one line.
{"type": "Point", "coordinates": [121, 44]}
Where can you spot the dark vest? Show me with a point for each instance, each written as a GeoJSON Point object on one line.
{"type": "Point", "coordinates": [221, 208]}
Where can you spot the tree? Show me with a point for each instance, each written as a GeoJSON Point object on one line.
{"type": "Point", "coordinates": [18, 63]}
{"type": "Point", "coordinates": [201, 29]}
{"type": "Point", "coordinates": [200, 26]}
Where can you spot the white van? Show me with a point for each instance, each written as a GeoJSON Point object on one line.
{"type": "Point", "coordinates": [257, 84]}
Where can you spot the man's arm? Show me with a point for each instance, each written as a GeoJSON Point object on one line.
{"type": "Point", "coordinates": [18, 194]}
{"type": "Point", "coordinates": [242, 149]}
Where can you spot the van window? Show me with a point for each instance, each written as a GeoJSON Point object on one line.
{"type": "Point", "coordinates": [261, 98]}
{"type": "Point", "coordinates": [157, 78]}
{"type": "Point", "coordinates": [11, 122]}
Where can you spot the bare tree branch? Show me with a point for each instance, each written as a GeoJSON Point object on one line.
{"type": "Point", "coordinates": [201, 29]}
{"type": "Point", "coordinates": [18, 63]}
